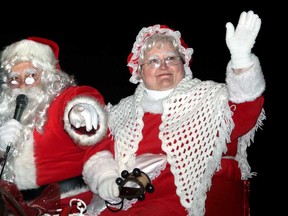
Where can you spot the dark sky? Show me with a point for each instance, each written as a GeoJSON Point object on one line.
{"type": "Point", "coordinates": [95, 42]}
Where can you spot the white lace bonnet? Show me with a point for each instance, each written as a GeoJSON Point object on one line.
{"type": "Point", "coordinates": [145, 33]}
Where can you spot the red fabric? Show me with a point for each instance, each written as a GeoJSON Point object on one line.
{"type": "Point", "coordinates": [227, 197]}
{"type": "Point", "coordinates": [57, 157]}
{"type": "Point", "coordinates": [228, 194]}
{"type": "Point", "coordinates": [48, 202]}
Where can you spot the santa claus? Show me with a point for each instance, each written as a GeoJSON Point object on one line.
{"type": "Point", "coordinates": [58, 121]}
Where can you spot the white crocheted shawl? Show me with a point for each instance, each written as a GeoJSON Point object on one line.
{"type": "Point", "coordinates": [196, 125]}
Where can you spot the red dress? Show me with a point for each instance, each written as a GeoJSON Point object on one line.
{"type": "Point", "coordinates": [228, 194]}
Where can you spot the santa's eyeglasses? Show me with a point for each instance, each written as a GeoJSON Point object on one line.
{"type": "Point", "coordinates": [27, 78]}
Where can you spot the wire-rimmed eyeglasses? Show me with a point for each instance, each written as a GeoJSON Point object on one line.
{"type": "Point", "coordinates": [26, 78]}
{"type": "Point", "coordinates": [169, 61]}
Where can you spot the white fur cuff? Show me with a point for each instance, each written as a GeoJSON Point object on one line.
{"type": "Point", "coordinates": [85, 139]}
{"type": "Point", "coordinates": [245, 86]}
{"type": "Point", "coordinates": [97, 166]}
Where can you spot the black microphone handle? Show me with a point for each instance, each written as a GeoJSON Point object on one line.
{"type": "Point", "coordinates": [18, 112]}
{"type": "Point", "coordinates": [21, 104]}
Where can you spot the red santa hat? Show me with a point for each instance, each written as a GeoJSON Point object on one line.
{"type": "Point", "coordinates": [42, 52]}
{"type": "Point", "coordinates": [142, 36]}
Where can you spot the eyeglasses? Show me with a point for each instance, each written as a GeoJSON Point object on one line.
{"type": "Point", "coordinates": [28, 78]}
{"type": "Point", "coordinates": [169, 61]}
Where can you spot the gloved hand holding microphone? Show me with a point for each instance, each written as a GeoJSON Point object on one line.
{"type": "Point", "coordinates": [9, 133]}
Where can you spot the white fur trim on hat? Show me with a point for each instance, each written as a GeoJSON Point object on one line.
{"type": "Point", "coordinates": [41, 55]}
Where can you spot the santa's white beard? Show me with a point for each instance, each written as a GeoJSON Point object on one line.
{"type": "Point", "coordinates": [33, 117]}
{"type": "Point", "coordinates": [38, 102]}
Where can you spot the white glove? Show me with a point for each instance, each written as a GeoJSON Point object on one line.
{"type": "Point", "coordinates": [108, 189]}
{"type": "Point", "coordinates": [241, 41]}
{"type": "Point", "coordinates": [9, 133]}
{"type": "Point", "coordinates": [84, 115]}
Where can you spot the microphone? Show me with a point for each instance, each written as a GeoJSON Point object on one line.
{"type": "Point", "coordinates": [21, 104]}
